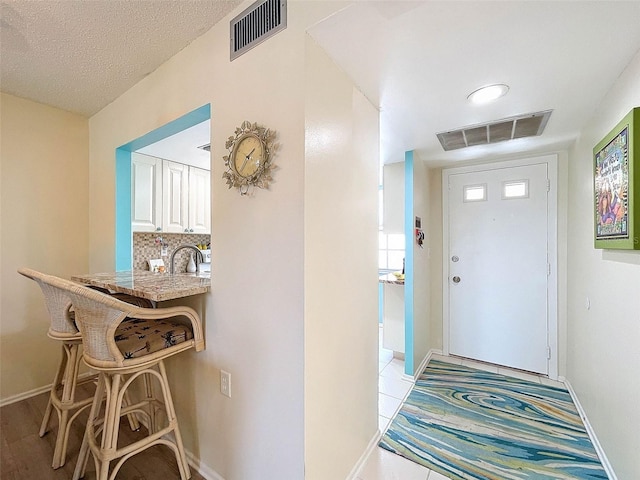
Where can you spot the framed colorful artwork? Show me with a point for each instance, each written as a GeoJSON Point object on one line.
{"type": "Point", "coordinates": [616, 182]}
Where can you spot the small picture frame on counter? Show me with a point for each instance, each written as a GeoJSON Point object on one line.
{"type": "Point", "coordinates": [156, 265]}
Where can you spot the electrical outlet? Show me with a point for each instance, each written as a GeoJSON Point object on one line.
{"type": "Point", "coordinates": [225, 383]}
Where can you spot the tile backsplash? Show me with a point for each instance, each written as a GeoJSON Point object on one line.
{"type": "Point", "coordinates": [149, 245]}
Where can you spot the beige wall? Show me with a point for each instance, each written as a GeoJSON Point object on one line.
{"type": "Point", "coordinates": [340, 270]}
{"type": "Point", "coordinates": [255, 317]}
{"type": "Point", "coordinates": [603, 354]}
{"type": "Point", "coordinates": [44, 218]}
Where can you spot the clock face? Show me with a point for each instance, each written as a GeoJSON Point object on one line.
{"type": "Point", "coordinates": [248, 155]}
{"type": "Point", "coordinates": [249, 164]}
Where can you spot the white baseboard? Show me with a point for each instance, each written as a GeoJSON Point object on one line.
{"type": "Point", "coordinates": [423, 363]}
{"type": "Point", "coordinates": [202, 468]}
{"type": "Point", "coordinates": [373, 443]}
{"type": "Point", "coordinates": [36, 391]}
{"type": "Point", "coordinates": [592, 434]}
{"type": "Point", "coordinates": [23, 396]}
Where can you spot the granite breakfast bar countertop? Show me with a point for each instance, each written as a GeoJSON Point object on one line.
{"type": "Point", "coordinates": [157, 287]}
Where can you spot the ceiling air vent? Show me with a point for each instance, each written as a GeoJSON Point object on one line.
{"type": "Point", "coordinates": [261, 20]}
{"type": "Point", "coordinates": [529, 125]}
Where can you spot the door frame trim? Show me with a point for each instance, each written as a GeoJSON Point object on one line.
{"type": "Point", "coordinates": [551, 160]}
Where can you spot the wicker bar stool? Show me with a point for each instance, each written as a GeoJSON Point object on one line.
{"type": "Point", "coordinates": [62, 328]}
{"type": "Point", "coordinates": [124, 342]}
{"type": "Point", "coordinates": [62, 397]}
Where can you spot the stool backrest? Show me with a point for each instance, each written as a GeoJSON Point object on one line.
{"type": "Point", "coordinates": [98, 316]}
{"type": "Point", "coordinates": [62, 325]}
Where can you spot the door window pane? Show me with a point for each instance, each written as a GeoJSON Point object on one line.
{"type": "Point", "coordinates": [515, 189]}
{"type": "Point", "coordinates": [475, 193]}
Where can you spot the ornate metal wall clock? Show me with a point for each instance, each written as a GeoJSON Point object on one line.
{"type": "Point", "coordinates": [249, 162]}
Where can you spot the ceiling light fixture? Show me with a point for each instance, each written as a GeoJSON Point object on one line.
{"type": "Point", "coordinates": [488, 94]}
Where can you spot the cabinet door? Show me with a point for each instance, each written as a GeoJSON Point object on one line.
{"type": "Point", "coordinates": [175, 179]}
{"type": "Point", "coordinates": [199, 200]}
{"type": "Point", "coordinates": [393, 321]}
{"type": "Point", "coordinates": [146, 193]}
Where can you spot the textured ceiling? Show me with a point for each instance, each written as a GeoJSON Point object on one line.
{"type": "Point", "coordinates": [415, 60]}
{"type": "Point", "coordinates": [80, 55]}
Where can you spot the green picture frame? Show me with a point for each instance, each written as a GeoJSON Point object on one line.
{"type": "Point", "coordinates": [616, 186]}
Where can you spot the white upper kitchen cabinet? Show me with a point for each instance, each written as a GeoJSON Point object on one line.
{"type": "Point", "coordinates": [186, 198]}
{"type": "Point", "coordinates": [199, 200]}
{"type": "Point", "coordinates": [146, 192]}
{"type": "Point", "coordinates": [175, 197]}
{"type": "Point", "coordinates": [169, 196]}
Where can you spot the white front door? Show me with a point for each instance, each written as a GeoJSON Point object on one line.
{"type": "Point", "coordinates": [498, 266]}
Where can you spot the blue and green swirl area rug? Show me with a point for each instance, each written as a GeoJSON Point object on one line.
{"type": "Point", "coordinates": [469, 424]}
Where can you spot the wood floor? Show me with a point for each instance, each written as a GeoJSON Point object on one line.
{"type": "Point", "coordinates": [24, 455]}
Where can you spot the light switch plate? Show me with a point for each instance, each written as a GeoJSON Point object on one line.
{"type": "Point", "coordinates": [225, 383]}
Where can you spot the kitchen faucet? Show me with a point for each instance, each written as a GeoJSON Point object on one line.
{"type": "Point", "coordinates": [199, 257]}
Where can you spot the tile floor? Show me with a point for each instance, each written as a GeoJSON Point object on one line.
{"type": "Point", "coordinates": [393, 388]}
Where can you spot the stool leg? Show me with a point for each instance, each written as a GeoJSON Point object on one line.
{"type": "Point", "coordinates": [89, 432]}
{"type": "Point", "coordinates": [58, 454]}
{"type": "Point", "coordinates": [111, 414]}
{"type": "Point", "coordinates": [134, 424]}
{"type": "Point", "coordinates": [103, 473]}
{"type": "Point", "coordinates": [110, 426]}
{"type": "Point", "coordinates": [66, 402]}
{"type": "Point", "coordinates": [150, 399]}
{"type": "Point", "coordinates": [181, 457]}
{"type": "Point", "coordinates": [56, 381]}
{"type": "Point", "coordinates": [45, 420]}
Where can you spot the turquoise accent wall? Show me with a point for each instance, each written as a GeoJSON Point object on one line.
{"type": "Point", "coordinates": [124, 237]}
{"type": "Point", "coordinates": [408, 267]}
